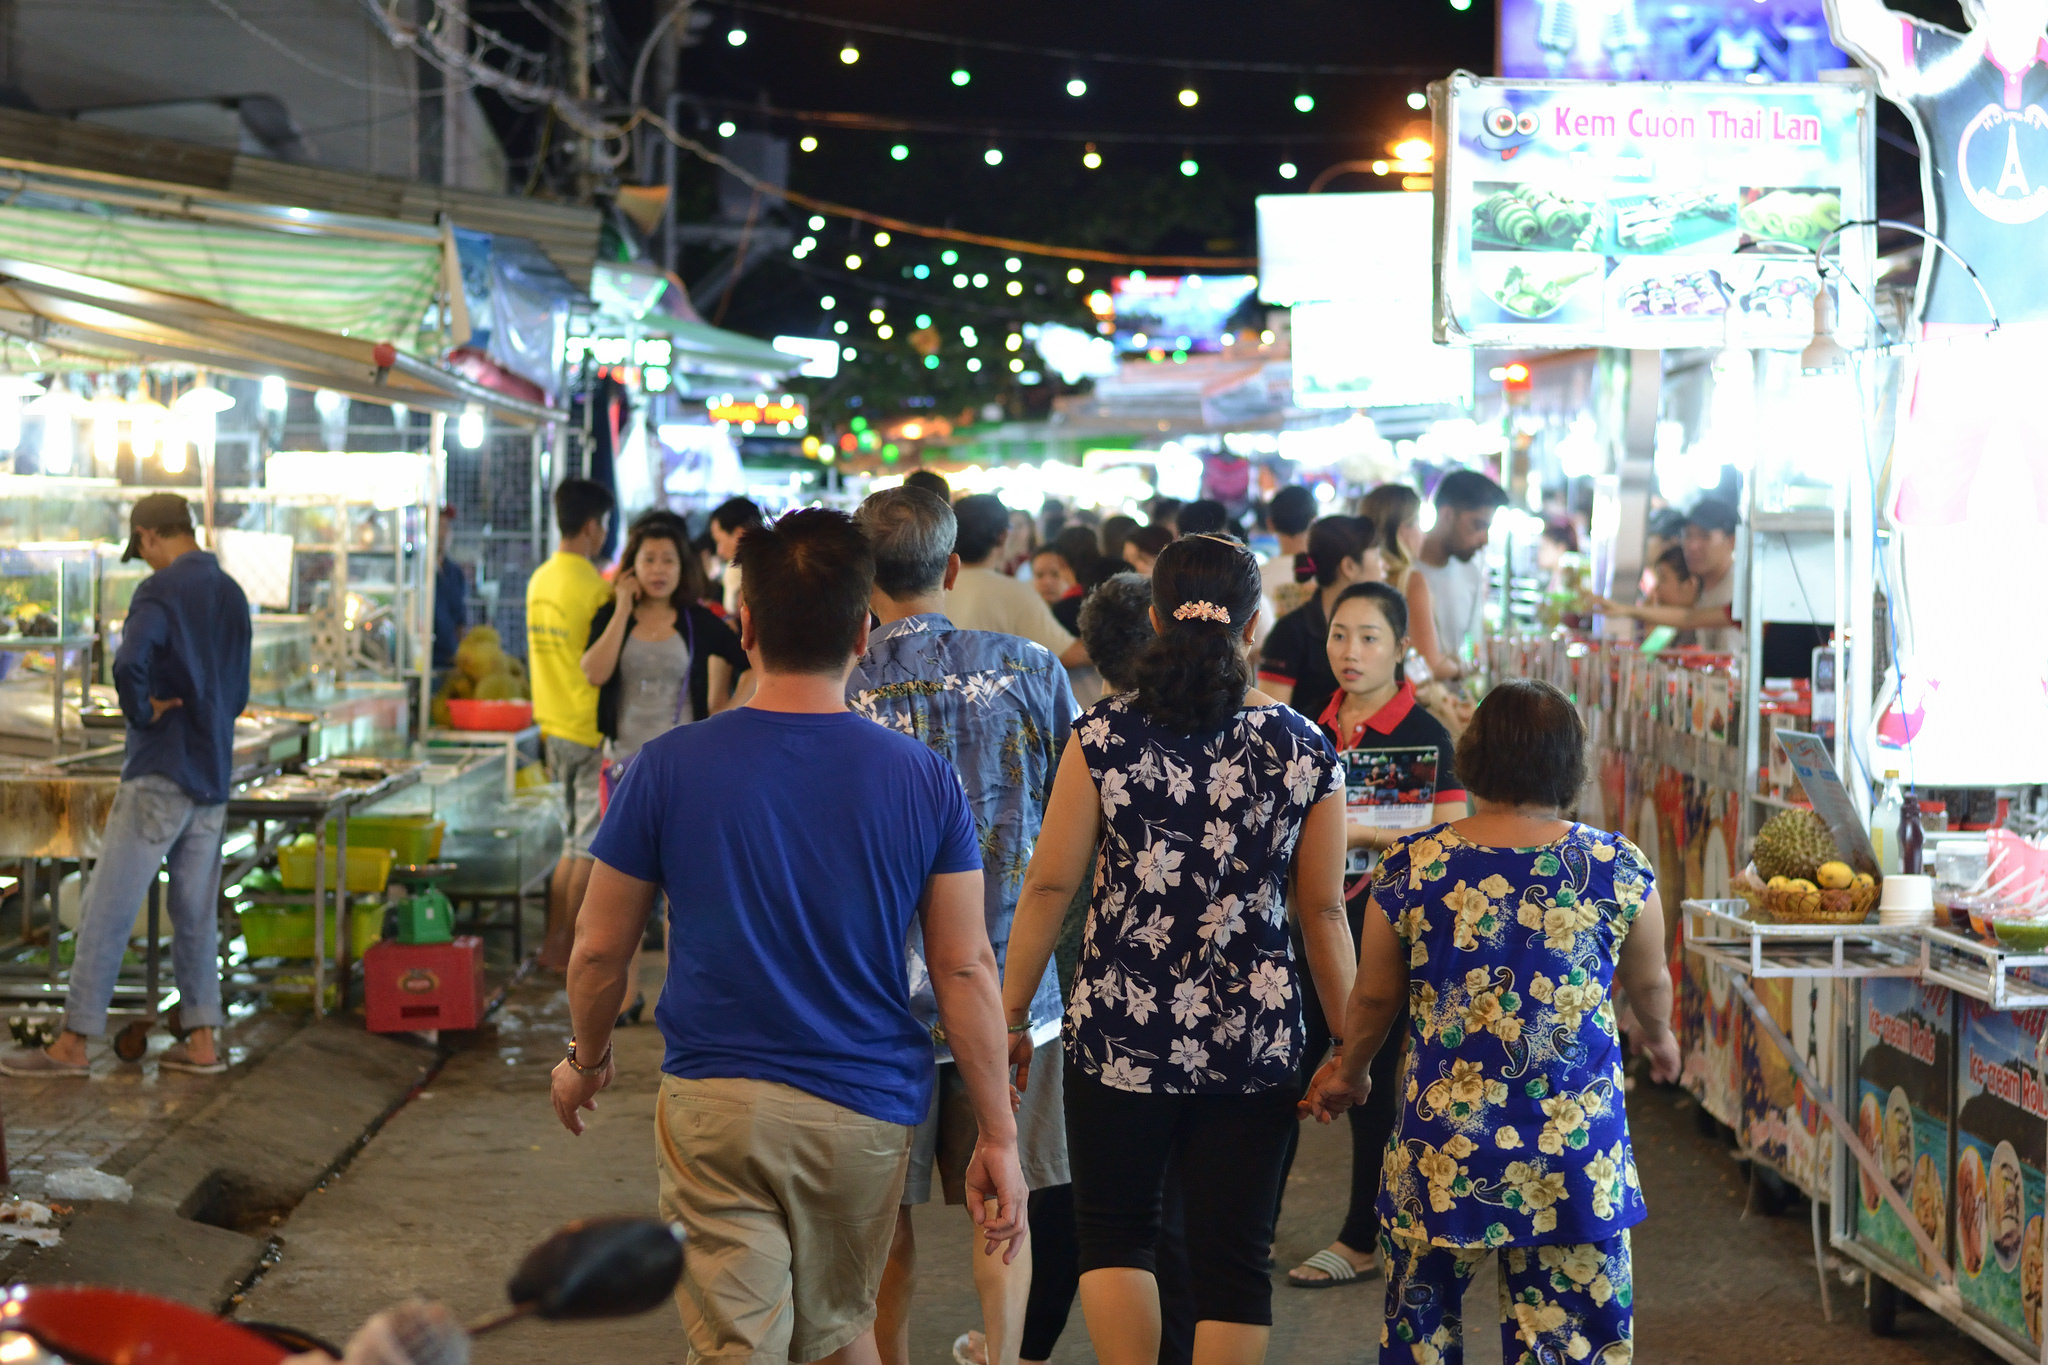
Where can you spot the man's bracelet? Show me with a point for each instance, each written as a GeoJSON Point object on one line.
{"type": "Point", "coordinates": [583, 1070]}
{"type": "Point", "coordinates": [1024, 1027]}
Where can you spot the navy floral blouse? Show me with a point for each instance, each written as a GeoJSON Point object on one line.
{"type": "Point", "coordinates": [1512, 1129]}
{"type": "Point", "coordinates": [1187, 983]}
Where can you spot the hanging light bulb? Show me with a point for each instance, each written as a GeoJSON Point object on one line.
{"type": "Point", "coordinates": [848, 53]}
{"type": "Point", "coordinates": [1076, 86]}
{"type": "Point", "coordinates": [899, 152]}
{"type": "Point", "coordinates": [1304, 103]}
{"type": "Point", "coordinates": [1288, 170]}
{"type": "Point", "coordinates": [193, 422]}
{"type": "Point", "coordinates": [809, 144]}
{"type": "Point", "coordinates": [274, 393]}
{"type": "Point", "coordinates": [469, 429]}
{"type": "Point", "coordinates": [961, 75]}
{"type": "Point", "coordinates": [13, 389]}
{"type": "Point", "coordinates": [993, 156]}
{"type": "Point", "coordinates": [58, 408]}
{"type": "Point", "coordinates": [1417, 100]}
{"type": "Point", "coordinates": [1091, 158]}
{"type": "Point", "coordinates": [106, 431]}
{"type": "Point", "coordinates": [1189, 166]}
{"type": "Point", "coordinates": [1075, 275]}
{"type": "Point", "coordinates": [1189, 97]}
{"type": "Point", "coordinates": [728, 128]}
{"type": "Point", "coordinates": [736, 36]}
{"type": "Point", "coordinates": [883, 239]}
{"type": "Point", "coordinates": [146, 434]}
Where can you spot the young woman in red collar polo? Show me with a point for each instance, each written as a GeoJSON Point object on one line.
{"type": "Point", "coordinates": [1374, 708]}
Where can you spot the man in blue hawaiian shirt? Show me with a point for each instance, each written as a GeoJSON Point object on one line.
{"type": "Point", "coordinates": [998, 707]}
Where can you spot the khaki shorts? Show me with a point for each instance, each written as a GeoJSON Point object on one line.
{"type": "Point", "coordinates": [789, 1205]}
{"type": "Point", "coordinates": [947, 1136]}
{"type": "Point", "coordinates": [577, 770]}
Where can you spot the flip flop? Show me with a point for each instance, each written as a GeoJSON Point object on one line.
{"type": "Point", "coordinates": [178, 1057]}
{"type": "Point", "coordinates": [1339, 1270]}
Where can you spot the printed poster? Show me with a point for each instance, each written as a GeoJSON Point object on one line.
{"type": "Point", "coordinates": [1388, 789]}
{"type": "Point", "coordinates": [1780, 1121]}
{"type": "Point", "coordinates": [2001, 1119]}
{"type": "Point", "coordinates": [1905, 1074]}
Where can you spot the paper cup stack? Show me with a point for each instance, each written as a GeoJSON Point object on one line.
{"type": "Point", "coordinates": [1906, 901]}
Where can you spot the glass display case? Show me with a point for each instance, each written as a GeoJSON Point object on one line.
{"type": "Point", "coordinates": [47, 591]}
{"type": "Point", "coordinates": [38, 508]}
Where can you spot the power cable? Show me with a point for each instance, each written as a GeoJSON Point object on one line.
{"type": "Point", "coordinates": [888, 123]}
{"type": "Point", "coordinates": [1068, 54]}
{"type": "Point", "coordinates": [298, 58]}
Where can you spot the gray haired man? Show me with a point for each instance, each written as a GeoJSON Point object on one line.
{"type": "Point", "coordinates": [998, 708]}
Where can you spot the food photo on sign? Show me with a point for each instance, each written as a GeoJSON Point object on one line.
{"type": "Point", "coordinates": [2001, 1132]}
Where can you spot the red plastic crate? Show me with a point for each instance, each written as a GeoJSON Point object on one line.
{"type": "Point", "coordinates": [414, 987]}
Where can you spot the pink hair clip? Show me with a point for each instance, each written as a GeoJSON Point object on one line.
{"type": "Point", "coordinates": [1201, 611]}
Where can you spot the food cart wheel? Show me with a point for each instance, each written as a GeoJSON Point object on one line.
{"type": "Point", "coordinates": [132, 1041]}
{"type": "Point", "coordinates": [1884, 1307]}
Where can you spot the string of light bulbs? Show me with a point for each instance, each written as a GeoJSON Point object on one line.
{"type": "Point", "coordinates": [856, 121]}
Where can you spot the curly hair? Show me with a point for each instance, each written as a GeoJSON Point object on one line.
{"type": "Point", "coordinates": [1193, 677]}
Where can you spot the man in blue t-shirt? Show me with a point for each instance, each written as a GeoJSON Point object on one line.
{"type": "Point", "coordinates": [795, 841]}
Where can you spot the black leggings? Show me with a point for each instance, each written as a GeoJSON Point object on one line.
{"type": "Point", "coordinates": [1373, 1122]}
{"type": "Point", "coordinates": [1056, 1276]}
{"type": "Point", "coordinates": [1228, 1151]}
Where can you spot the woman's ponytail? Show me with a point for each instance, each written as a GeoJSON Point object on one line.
{"type": "Point", "coordinates": [1194, 675]}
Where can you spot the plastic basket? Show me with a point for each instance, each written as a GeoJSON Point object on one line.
{"type": "Point", "coordinates": [287, 930]}
{"type": "Point", "coordinates": [369, 869]}
{"type": "Point", "coordinates": [410, 838]}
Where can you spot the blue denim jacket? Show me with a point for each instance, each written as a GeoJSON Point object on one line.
{"type": "Point", "coordinates": [186, 637]}
{"type": "Point", "coordinates": [998, 708]}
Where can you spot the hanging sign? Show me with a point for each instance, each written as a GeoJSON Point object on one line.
{"type": "Point", "coordinates": [1585, 213]}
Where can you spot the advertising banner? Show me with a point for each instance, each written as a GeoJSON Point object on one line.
{"type": "Point", "coordinates": [1580, 214]}
{"type": "Point", "coordinates": [1905, 1078]}
{"type": "Point", "coordinates": [2001, 1116]}
{"type": "Point", "coordinates": [1780, 1121]}
{"type": "Point", "coordinates": [1667, 40]}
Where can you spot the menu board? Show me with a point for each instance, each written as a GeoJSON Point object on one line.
{"type": "Point", "coordinates": [1905, 1077]}
{"type": "Point", "coordinates": [1576, 213]}
{"type": "Point", "coordinates": [2001, 1117]}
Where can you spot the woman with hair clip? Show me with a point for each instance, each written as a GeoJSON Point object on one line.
{"type": "Point", "coordinates": [1395, 510]}
{"type": "Point", "coordinates": [1184, 1028]}
{"type": "Point", "coordinates": [1294, 665]}
{"type": "Point", "coordinates": [652, 653]}
{"type": "Point", "coordinates": [1379, 731]}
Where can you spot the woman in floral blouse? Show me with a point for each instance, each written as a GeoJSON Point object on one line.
{"type": "Point", "coordinates": [1504, 934]}
{"type": "Point", "coordinates": [1211, 801]}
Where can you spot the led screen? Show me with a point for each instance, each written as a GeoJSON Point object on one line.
{"type": "Point", "coordinates": [1666, 40]}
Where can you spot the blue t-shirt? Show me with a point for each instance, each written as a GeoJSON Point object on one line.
{"type": "Point", "coordinates": [794, 849]}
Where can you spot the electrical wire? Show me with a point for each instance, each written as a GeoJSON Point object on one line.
{"type": "Point", "coordinates": [1068, 54]}
{"type": "Point", "coordinates": [886, 123]}
{"type": "Point", "coordinates": [298, 58]}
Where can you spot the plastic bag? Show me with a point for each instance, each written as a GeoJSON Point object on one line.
{"type": "Point", "coordinates": [83, 1182]}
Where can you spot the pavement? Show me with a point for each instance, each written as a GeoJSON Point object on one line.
{"type": "Point", "coordinates": [474, 1169]}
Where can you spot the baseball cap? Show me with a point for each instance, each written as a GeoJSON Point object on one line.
{"type": "Point", "coordinates": [155, 512]}
{"type": "Point", "coordinates": [1711, 514]}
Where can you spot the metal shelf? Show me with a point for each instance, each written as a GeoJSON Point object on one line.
{"type": "Point", "coordinates": [1722, 931]}
{"type": "Point", "coordinates": [2001, 979]}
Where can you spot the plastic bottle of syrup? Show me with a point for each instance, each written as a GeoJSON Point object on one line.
{"type": "Point", "coordinates": [1912, 836]}
{"type": "Point", "coordinates": [1884, 826]}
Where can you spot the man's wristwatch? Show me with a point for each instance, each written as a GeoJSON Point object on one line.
{"type": "Point", "coordinates": [582, 1070]}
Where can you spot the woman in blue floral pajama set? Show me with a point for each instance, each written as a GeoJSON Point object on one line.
{"type": "Point", "coordinates": [1505, 933]}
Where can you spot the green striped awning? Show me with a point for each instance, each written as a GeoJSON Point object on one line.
{"type": "Point", "coordinates": [375, 291]}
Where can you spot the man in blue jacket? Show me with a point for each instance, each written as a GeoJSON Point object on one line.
{"type": "Point", "coordinates": [182, 673]}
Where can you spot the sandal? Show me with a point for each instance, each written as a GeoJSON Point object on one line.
{"type": "Point", "coordinates": [970, 1348]}
{"type": "Point", "coordinates": [1336, 1269]}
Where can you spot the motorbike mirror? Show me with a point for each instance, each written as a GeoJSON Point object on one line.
{"type": "Point", "coordinates": [600, 1268]}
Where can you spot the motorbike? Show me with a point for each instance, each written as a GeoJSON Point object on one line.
{"type": "Point", "coordinates": [595, 1268]}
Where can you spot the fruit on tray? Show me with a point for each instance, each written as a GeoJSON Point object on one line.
{"type": "Point", "coordinates": [1801, 885]}
{"type": "Point", "coordinates": [483, 672]}
{"type": "Point", "coordinates": [1793, 843]}
{"type": "Point", "coordinates": [1779, 883]}
{"type": "Point", "coordinates": [1865, 879]}
{"type": "Point", "coordinates": [1834, 875]}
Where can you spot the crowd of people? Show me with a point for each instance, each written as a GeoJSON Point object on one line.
{"type": "Point", "coordinates": [927, 798]}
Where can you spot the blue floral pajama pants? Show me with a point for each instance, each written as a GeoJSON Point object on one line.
{"type": "Point", "coordinates": [1559, 1305]}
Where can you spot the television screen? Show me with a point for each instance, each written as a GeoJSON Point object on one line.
{"type": "Point", "coordinates": [1666, 40]}
{"type": "Point", "coordinates": [1182, 312]}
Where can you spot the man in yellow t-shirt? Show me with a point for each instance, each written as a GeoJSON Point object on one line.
{"type": "Point", "coordinates": [562, 596]}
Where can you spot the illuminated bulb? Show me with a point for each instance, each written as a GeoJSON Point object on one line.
{"type": "Point", "coordinates": [828, 303]}
{"type": "Point", "coordinates": [853, 262]}
{"type": "Point", "coordinates": [1414, 149]}
{"type": "Point", "coordinates": [1288, 170]}
{"type": "Point", "coordinates": [469, 428]}
{"type": "Point", "coordinates": [817, 223]}
{"type": "Point", "coordinates": [882, 239]}
{"type": "Point", "coordinates": [921, 271]}
{"type": "Point", "coordinates": [849, 353]}
{"type": "Point", "coordinates": [728, 128]}
{"type": "Point", "coordinates": [1461, 5]}
{"type": "Point", "coordinates": [1014, 288]}
{"type": "Point", "coordinates": [961, 75]}
{"type": "Point", "coordinates": [876, 315]}
{"type": "Point", "coordinates": [1379, 168]}
{"type": "Point", "coordinates": [899, 152]}
{"type": "Point", "coordinates": [885, 331]}
{"type": "Point", "coordinates": [736, 37]}
{"type": "Point", "coordinates": [1091, 158]}
{"type": "Point", "coordinates": [959, 281]}
{"type": "Point", "coordinates": [974, 364]}
{"type": "Point", "coordinates": [949, 257]}
{"type": "Point", "coordinates": [810, 144]}
{"type": "Point", "coordinates": [1075, 275]}
{"type": "Point", "coordinates": [1016, 366]}
{"type": "Point", "coordinates": [981, 281]}
{"type": "Point", "coordinates": [1266, 338]}
{"type": "Point", "coordinates": [1013, 342]}
{"type": "Point", "coordinates": [1417, 100]}
{"type": "Point", "coordinates": [146, 433]}
{"type": "Point", "coordinates": [1188, 97]}
{"type": "Point", "coordinates": [993, 156]}
{"type": "Point", "coordinates": [1077, 87]}
{"type": "Point", "coordinates": [106, 430]}
{"type": "Point", "coordinates": [839, 327]}
{"type": "Point", "coordinates": [924, 320]}
{"type": "Point", "coordinates": [1188, 166]}
{"type": "Point", "coordinates": [849, 54]}
{"type": "Point", "coordinates": [1305, 103]}
{"type": "Point", "coordinates": [931, 362]}
{"type": "Point", "coordinates": [274, 392]}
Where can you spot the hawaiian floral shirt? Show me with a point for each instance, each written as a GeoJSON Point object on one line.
{"type": "Point", "coordinates": [1187, 983]}
{"type": "Point", "coordinates": [1512, 1131]}
{"type": "Point", "coordinates": [998, 708]}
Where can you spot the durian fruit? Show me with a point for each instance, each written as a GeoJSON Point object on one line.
{"type": "Point", "coordinates": [1834, 875]}
{"type": "Point", "coordinates": [1793, 843]}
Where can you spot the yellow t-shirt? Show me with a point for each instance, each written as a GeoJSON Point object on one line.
{"type": "Point", "coordinates": [562, 596]}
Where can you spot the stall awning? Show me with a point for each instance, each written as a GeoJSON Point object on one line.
{"type": "Point", "coordinates": [44, 308]}
{"type": "Point", "coordinates": [369, 290]}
